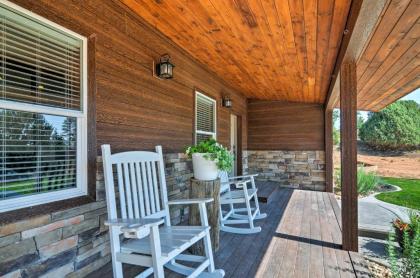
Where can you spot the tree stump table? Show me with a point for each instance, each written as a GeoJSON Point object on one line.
{"type": "Point", "coordinates": [205, 189]}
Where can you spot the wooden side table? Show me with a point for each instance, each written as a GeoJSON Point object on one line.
{"type": "Point", "coordinates": [206, 189]}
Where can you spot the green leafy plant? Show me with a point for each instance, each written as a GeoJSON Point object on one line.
{"type": "Point", "coordinates": [337, 179]}
{"type": "Point", "coordinates": [366, 181]}
{"type": "Point", "coordinates": [407, 262]}
{"type": "Point", "coordinates": [336, 136]}
{"type": "Point", "coordinates": [213, 151]}
{"type": "Point", "coordinates": [395, 127]}
{"type": "Point", "coordinates": [400, 227]}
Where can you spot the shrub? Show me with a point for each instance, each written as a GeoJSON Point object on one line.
{"type": "Point", "coordinates": [366, 181]}
{"type": "Point", "coordinates": [407, 262]}
{"type": "Point", "coordinates": [335, 131]}
{"type": "Point", "coordinates": [395, 127]}
{"type": "Point", "coordinates": [336, 136]}
{"type": "Point", "coordinates": [337, 178]}
{"type": "Point", "coordinates": [401, 227]}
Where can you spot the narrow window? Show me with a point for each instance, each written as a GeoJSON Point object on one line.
{"type": "Point", "coordinates": [205, 117]}
{"type": "Point", "coordinates": [42, 110]}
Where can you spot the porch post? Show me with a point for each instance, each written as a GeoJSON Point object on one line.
{"type": "Point", "coordinates": [348, 107]}
{"type": "Point", "coordinates": [329, 170]}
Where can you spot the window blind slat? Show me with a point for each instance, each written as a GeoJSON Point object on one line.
{"type": "Point", "coordinates": [24, 80]}
{"type": "Point", "coordinates": [38, 64]}
{"type": "Point", "coordinates": [34, 28]}
{"type": "Point", "coordinates": [12, 44]}
{"type": "Point", "coordinates": [19, 71]}
{"type": "Point", "coordinates": [205, 118]}
{"type": "Point", "coordinates": [21, 39]}
{"type": "Point", "coordinates": [45, 92]}
{"type": "Point", "coordinates": [205, 114]}
{"type": "Point", "coordinates": [41, 62]}
{"type": "Point", "coordinates": [47, 187]}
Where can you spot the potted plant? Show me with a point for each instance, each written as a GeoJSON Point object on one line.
{"type": "Point", "coordinates": [209, 157]}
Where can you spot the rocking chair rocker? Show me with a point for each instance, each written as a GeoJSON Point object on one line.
{"type": "Point", "coordinates": [241, 195]}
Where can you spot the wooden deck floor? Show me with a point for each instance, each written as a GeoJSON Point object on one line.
{"type": "Point", "coordinates": [301, 237]}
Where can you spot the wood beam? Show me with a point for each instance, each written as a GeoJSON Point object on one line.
{"type": "Point", "coordinates": [352, 18]}
{"type": "Point", "coordinates": [348, 126]}
{"type": "Point", "coordinates": [329, 168]}
{"type": "Point", "coordinates": [361, 22]}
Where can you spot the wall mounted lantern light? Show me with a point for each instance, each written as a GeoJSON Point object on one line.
{"type": "Point", "coordinates": [164, 69]}
{"type": "Point", "coordinates": [227, 102]}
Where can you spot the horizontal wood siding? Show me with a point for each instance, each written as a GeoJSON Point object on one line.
{"type": "Point", "coordinates": [274, 125]}
{"type": "Point", "coordinates": [134, 110]}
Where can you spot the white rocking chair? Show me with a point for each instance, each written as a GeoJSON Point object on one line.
{"type": "Point", "coordinates": [241, 195]}
{"type": "Point", "coordinates": [148, 238]}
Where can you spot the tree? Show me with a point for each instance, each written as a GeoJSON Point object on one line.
{"type": "Point", "coordinates": [395, 127]}
{"type": "Point", "coordinates": [69, 127]}
{"type": "Point", "coordinates": [360, 120]}
{"type": "Point", "coordinates": [32, 147]}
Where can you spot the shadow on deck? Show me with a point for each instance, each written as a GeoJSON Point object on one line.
{"type": "Point", "coordinates": [301, 237]}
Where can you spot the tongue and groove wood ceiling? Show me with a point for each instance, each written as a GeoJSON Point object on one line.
{"type": "Point", "coordinates": [389, 66]}
{"type": "Point", "coordinates": [267, 49]}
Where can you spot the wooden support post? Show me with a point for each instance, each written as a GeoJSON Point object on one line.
{"type": "Point", "coordinates": [329, 167]}
{"type": "Point", "coordinates": [348, 107]}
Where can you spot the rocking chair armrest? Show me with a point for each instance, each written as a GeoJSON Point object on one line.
{"type": "Point", "coordinates": [240, 183]}
{"type": "Point", "coordinates": [243, 177]}
{"type": "Point", "coordinates": [201, 202]}
{"type": "Point", "coordinates": [135, 228]}
{"type": "Point", "coordinates": [134, 223]}
{"type": "Point", "coordinates": [190, 201]}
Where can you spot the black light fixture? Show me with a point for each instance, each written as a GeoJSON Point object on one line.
{"type": "Point", "coordinates": [164, 69]}
{"type": "Point", "coordinates": [227, 102]}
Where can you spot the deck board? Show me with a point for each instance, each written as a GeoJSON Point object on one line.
{"type": "Point", "coordinates": [301, 237]}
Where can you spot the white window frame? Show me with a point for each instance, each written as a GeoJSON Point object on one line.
{"type": "Point", "coordinates": [197, 131]}
{"type": "Point", "coordinates": [81, 116]}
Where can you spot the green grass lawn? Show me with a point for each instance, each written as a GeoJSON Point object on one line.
{"type": "Point", "coordinates": [409, 196]}
{"type": "Point", "coordinates": [29, 186]}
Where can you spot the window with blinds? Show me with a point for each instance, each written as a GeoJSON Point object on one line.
{"type": "Point", "coordinates": [205, 118]}
{"type": "Point", "coordinates": [42, 110]}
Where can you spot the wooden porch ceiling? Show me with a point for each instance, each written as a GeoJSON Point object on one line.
{"type": "Point", "coordinates": [386, 47]}
{"type": "Point", "coordinates": [278, 50]}
{"type": "Point", "coordinates": [388, 68]}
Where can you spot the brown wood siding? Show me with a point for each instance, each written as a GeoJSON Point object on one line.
{"type": "Point", "coordinates": [274, 125]}
{"type": "Point", "coordinates": [134, 110]}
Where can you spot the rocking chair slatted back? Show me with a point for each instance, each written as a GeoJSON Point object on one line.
{"type": "Point", "coordinates": [224, 181]}
{"type": "Point", "coordinates": [141, 184]}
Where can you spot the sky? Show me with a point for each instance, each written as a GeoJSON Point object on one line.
{"type": "Point", "coordinates": [56, 122]}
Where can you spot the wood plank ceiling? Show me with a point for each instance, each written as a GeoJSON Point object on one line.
{"type": "Point", "coordinates": [278, 50]}
{"type": "Point", "coordinates": [388, 67]}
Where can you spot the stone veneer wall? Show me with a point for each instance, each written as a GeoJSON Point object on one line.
{"type": "Point", "coordinates": [75, 242]}
{"type": "Point", "coordinates": [296, 169]}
